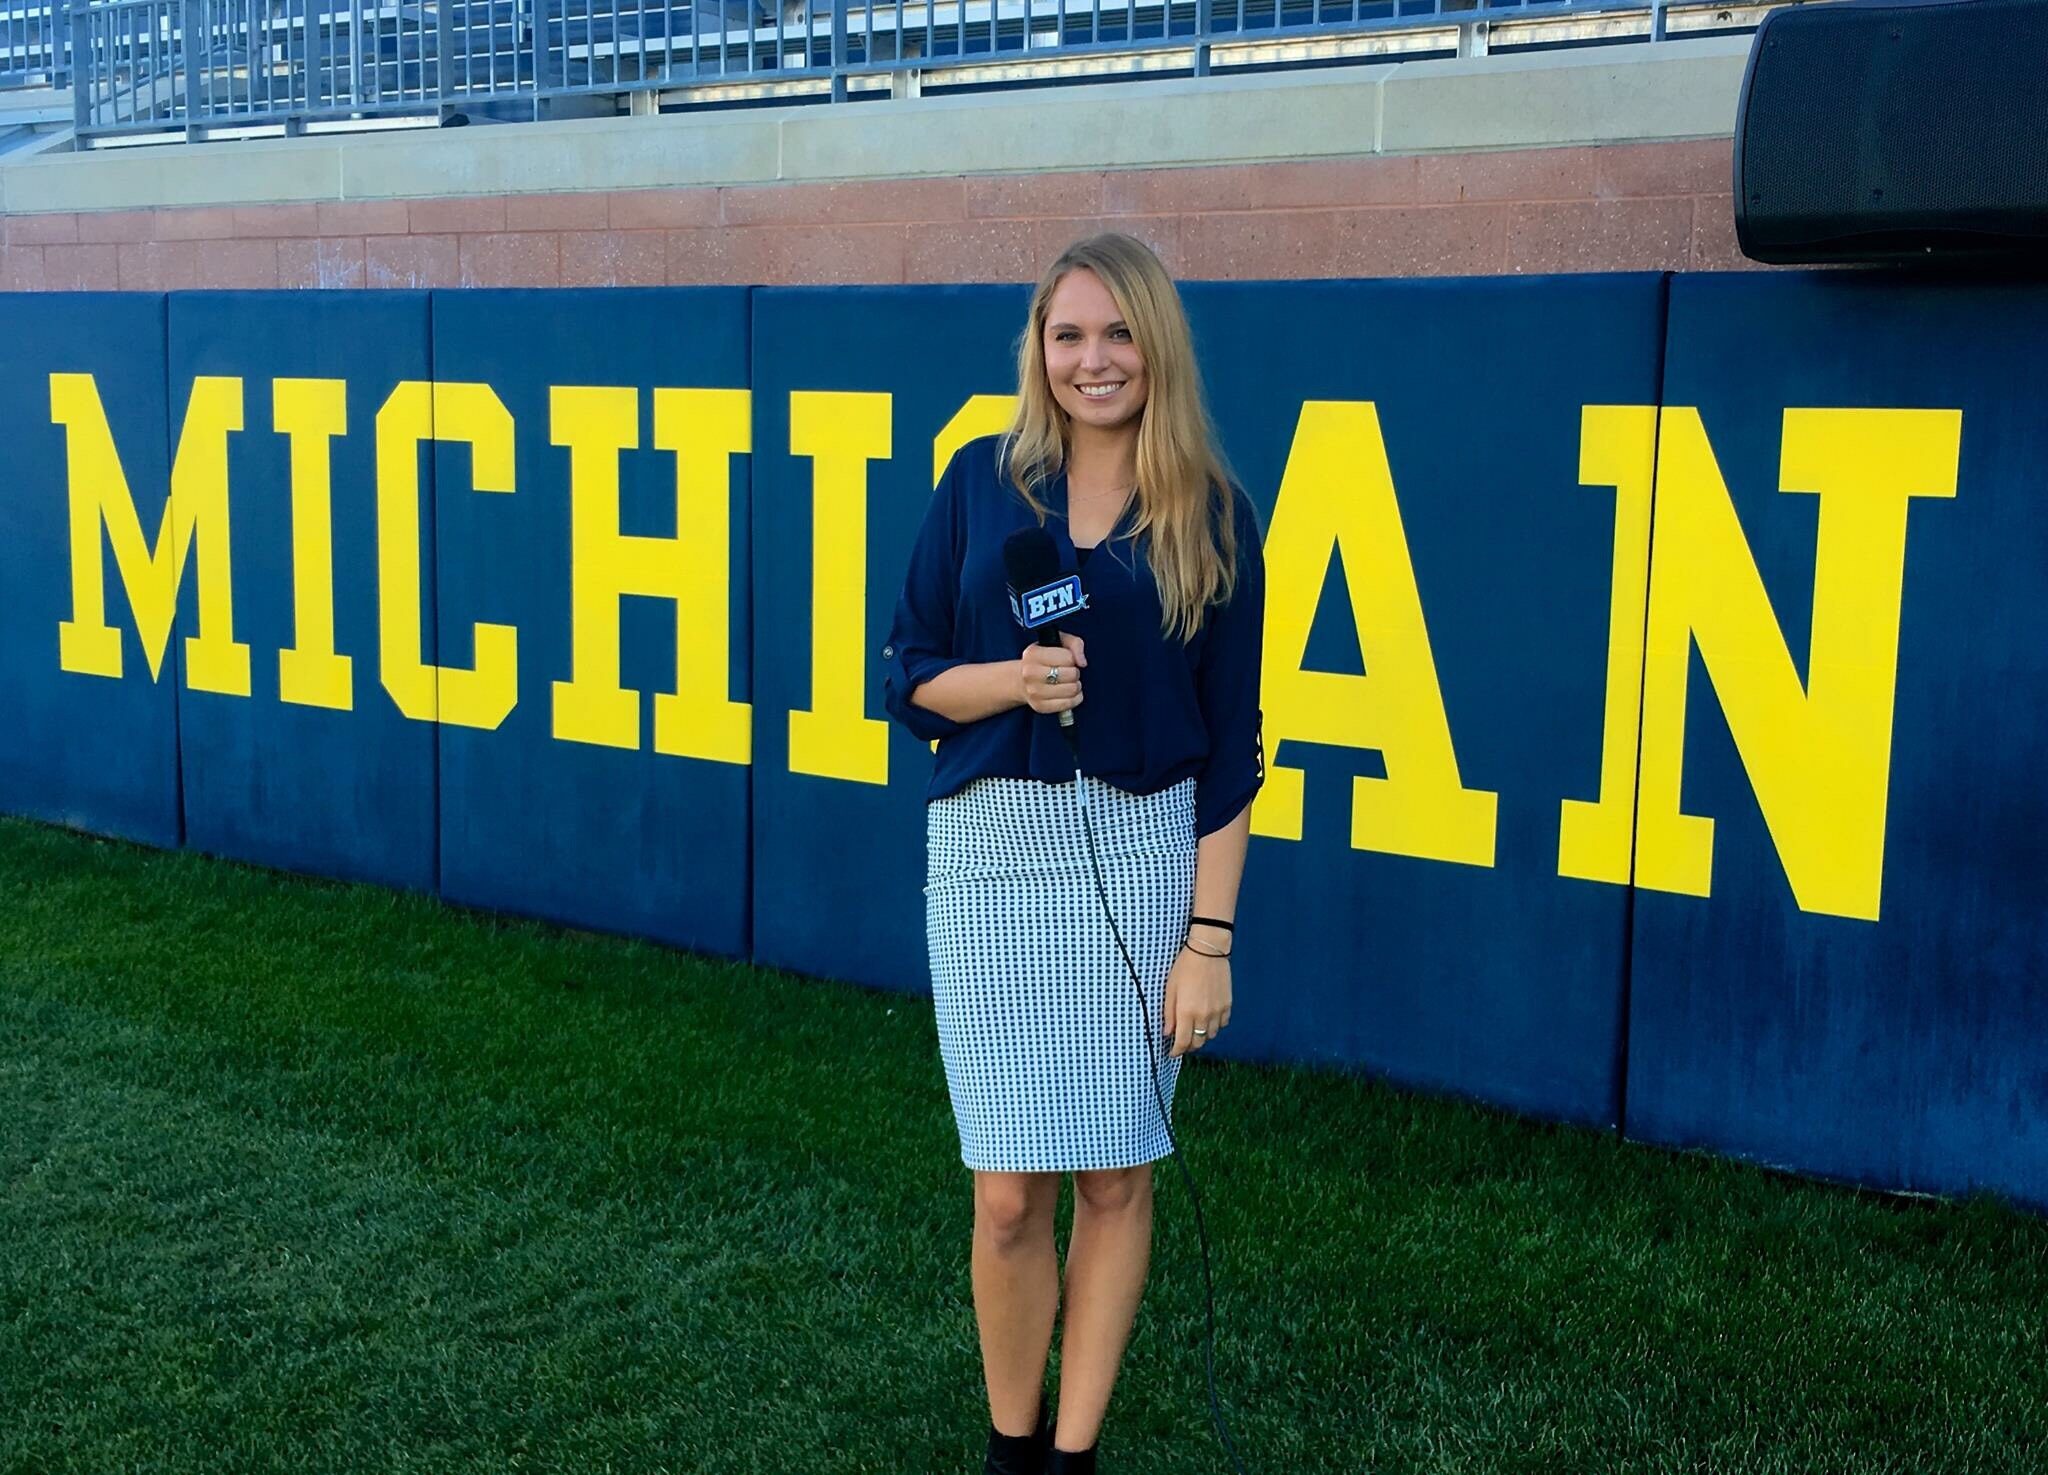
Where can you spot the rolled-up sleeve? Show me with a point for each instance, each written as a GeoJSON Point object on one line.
{"type": "Point", "coordinates": [920, 643]}
{"type": "Point", "coordinates": [1227, 686]}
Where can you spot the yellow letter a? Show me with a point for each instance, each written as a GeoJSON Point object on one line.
{"type": "Point", "coordinates": [1338, 492]}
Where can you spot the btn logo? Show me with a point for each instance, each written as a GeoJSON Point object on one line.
{"type": "Point", "coordinates": [1048, 602]}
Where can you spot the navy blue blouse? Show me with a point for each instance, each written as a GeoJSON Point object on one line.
{"type": "Point", "coordinates": [1155, 711]}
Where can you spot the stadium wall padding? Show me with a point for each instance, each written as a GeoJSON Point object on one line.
{"type": "Point", "coordinates": [561, 806]}
{"type": "Point", "coordinates": [1414, 451]}
{"type": "Point", "coordinates": [848, 410]}
{"type": "Point", "coordinates": [1858, 422]}
{"type": "Point", "coordinates": [98, 752]}
{"type": "Point", "coordinates": [337, 782]}
{"type": "Point", "coordinates": [613, 569]}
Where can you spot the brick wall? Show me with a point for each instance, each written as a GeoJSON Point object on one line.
{"type": "Point", "coordinates": [1610, 208]}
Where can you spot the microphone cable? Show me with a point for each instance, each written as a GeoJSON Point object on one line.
{"type": "Point", "coordinates": [1159, 1096]}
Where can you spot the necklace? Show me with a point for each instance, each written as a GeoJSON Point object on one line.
{"type": "Point", "coordinates": [1091, 499]}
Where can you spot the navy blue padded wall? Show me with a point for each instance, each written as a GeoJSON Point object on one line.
{"type": "Point", "coordinates": [619, 838]}
{"type": "Point", "coordinates": [1910, 1051]}
{"type": "Point", "coordinates": [345, 791]}
{"type": "Point", "coordinates": [82, 749]}
{"type": "Point", "coordinates": [1498, 981]}
{"type": "Point", "coordinates": [839, 864]}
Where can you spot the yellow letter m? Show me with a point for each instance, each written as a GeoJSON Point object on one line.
{"type": "Point", "coordinates": [150, 573]}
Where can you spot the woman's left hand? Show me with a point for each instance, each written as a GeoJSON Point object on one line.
{"type": "Point", "coordinates": [1197, 997]}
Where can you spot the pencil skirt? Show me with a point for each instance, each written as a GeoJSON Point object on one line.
{"type": "Point", "coordinates": [1050, 1060]}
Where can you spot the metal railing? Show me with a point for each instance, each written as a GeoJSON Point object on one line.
{"type": "Point", "coordinates": [35, 50]}
{"type": "Point", "coordinates": [230, 66]}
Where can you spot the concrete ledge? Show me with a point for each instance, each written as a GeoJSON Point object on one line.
{"type": "Point", "coordinates": [1607, 94]}
{"type": "Point", "coordinates": [35, 105]}
{"type": "Point", "coordinates": [172, 175]}
{"type": "Point", "coordinates": [583, 154]}
{"type": "Point", "coordinates": [1122, 125]}
{"type": "Point", "coordinates": [1623, 94]}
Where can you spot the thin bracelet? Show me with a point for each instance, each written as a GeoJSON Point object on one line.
{"type": "Point", "coordinates": [1201, 952]}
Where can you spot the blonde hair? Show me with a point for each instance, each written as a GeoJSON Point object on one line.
{"type": "Point", "coordinates": [1184, 495]}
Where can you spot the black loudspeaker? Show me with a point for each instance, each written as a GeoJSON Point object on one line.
{"type": "Point", "coordinates": [1897, 131]}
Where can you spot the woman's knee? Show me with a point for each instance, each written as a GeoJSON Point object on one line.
{"type": "Point", "coordinates": [1111, 1190]}
{"type": "Point", "coordinates": [1015, 1208]}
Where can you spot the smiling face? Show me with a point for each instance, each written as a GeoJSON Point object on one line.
{"type": "Point", "coordinates": [1092, 363]}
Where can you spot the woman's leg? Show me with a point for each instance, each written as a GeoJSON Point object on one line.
{"type": "Point", "coordinates": [1107, 1256]}
{"type": "Point", "coordinates": [1016, 1290]}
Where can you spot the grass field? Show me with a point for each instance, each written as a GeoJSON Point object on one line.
{"type": "Point", "coordinates": [305, 1177]}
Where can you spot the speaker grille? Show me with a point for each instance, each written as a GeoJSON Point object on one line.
{"type": "Point", "coordinates": [1873, 121]}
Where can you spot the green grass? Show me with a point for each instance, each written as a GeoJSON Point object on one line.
{"type": "Point", "coordinates": [305, 1177]}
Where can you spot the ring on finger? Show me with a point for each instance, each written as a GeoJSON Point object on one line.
{"type": "Point", "coordinates": [1052, 675]}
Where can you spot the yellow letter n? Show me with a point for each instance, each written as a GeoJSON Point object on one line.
{"type": "Point", "coordinates": [1817, 756]}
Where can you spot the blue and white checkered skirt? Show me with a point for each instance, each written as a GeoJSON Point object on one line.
{"type": "Point", "coordinates": [1049, 1058]}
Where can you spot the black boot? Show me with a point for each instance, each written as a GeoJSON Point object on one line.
{"type": "Point", "coordinates": [1019, 1454]}
{"type": "Point", "coordinates": [1068, 1462]}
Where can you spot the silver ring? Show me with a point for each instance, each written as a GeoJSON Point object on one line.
{"type": "Point", "coordinates": [1052, 675]}
{"type": "Point", "coordinates": [1201, 1031]}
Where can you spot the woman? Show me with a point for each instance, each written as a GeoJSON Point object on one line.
{"type": "Point", "coordinates": [1051, 1064]}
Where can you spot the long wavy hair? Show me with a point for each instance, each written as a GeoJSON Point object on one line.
{"type": "Point", "coordinates": [1184, 486]}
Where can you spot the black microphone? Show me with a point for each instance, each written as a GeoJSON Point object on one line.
{"type": "Point", "coordinates": [1040, 596]}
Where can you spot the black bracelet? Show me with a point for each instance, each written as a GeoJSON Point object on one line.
{"type": "Point", "coordinates": [1214, 922]}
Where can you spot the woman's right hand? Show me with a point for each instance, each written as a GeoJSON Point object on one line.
{"type": "Point", "coordinates": [1066, 658]}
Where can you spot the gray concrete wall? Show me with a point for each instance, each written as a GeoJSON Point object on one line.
{"type": "Point", "coordinates": [1674, 90]}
